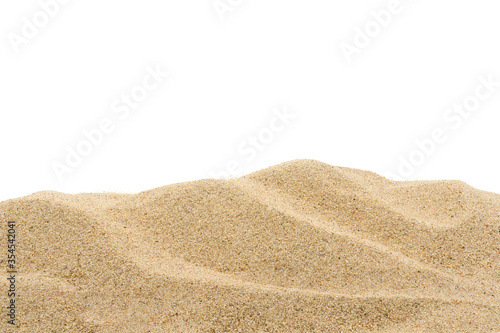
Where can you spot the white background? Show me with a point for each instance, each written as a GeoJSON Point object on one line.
{"type": "Point", "coordinates": [225, 79]}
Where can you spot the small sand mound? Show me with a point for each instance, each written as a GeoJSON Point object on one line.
{"type": "Point", "coordinates": [299, 247]}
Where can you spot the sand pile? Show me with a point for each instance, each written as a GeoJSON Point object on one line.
{"type": "Point", "coordinates": [299, 247]}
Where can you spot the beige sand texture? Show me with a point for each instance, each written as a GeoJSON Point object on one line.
{"type": "Point", "coordinates": [299, 247]}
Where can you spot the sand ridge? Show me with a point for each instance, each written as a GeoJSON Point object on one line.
{"type": "Point", "coordinates": [301, 246]}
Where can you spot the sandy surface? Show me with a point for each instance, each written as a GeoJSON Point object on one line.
{"type": "Point", "coordinates": [299, 247]}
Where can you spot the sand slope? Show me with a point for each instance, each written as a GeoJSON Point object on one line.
{"type": "Point", "coordinates": [299, 247]}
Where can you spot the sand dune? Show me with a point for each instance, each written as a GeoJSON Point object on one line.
{"type": "Point", "coordinates": [299, 247]}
